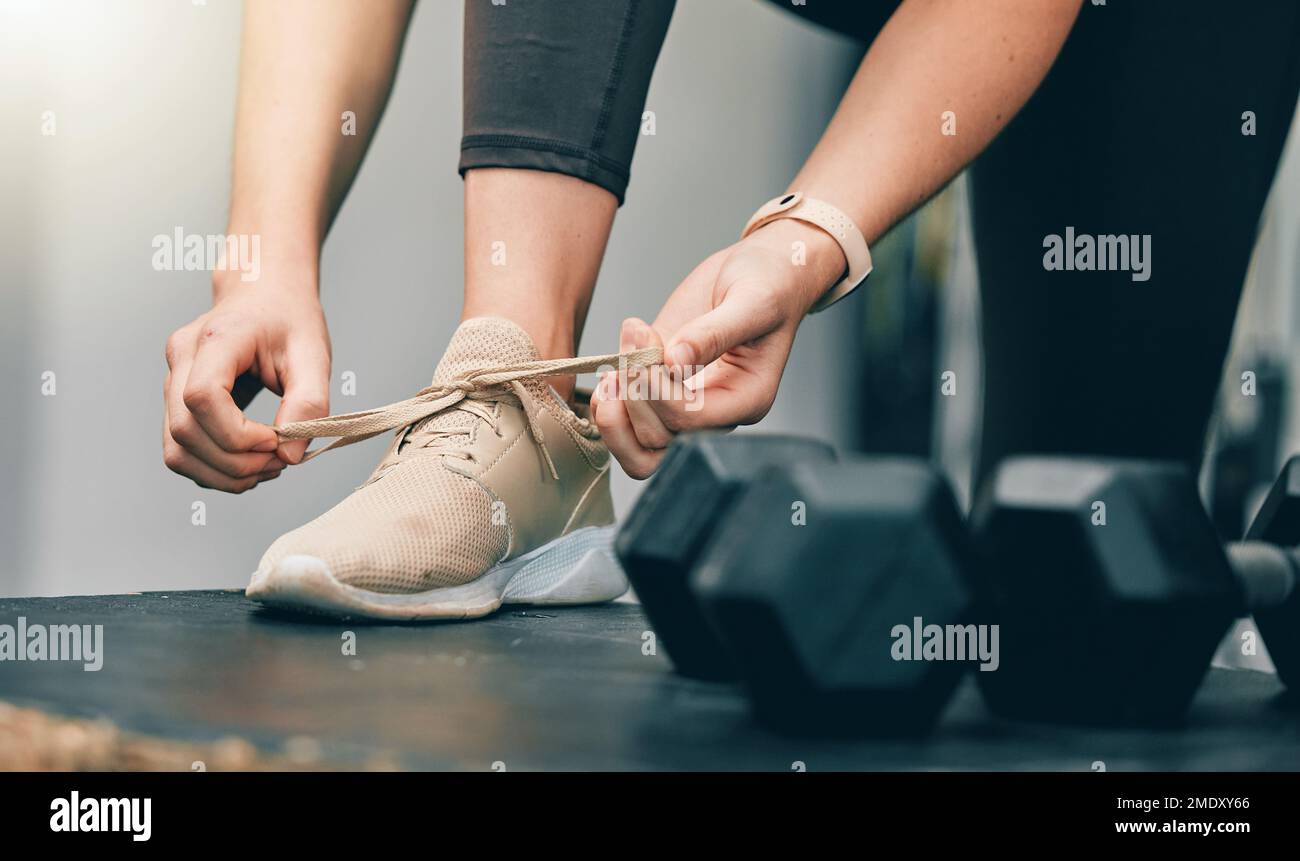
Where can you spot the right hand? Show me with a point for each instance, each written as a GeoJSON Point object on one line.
{"type": "Point", "coordinates": [731, 323]}
{"type": "Point", "coordinates": [253, 336]}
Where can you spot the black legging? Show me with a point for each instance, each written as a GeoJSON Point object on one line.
{"type": "Point", "coordinates": [1137, 129]}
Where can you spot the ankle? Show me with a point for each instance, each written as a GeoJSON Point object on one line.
{"type": "Point", "coordinates": [553, 344]}
{"type": "Point", "coordinates": [552, 335]}
{"type": "Point", "coordinates": [564, 387]}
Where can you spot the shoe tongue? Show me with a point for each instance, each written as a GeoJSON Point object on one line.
{"type": "Point", "coordinates": [484, 342]}
{"type": "Point", "coordinates": [480, 342]}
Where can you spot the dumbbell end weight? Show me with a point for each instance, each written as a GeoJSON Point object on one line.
{"type": "Point", "coordinates": [670, 525]}
{"type": "Point", "coordinates": [1110, 587]}
{"type": "Point", "coordinates": [811, 579]}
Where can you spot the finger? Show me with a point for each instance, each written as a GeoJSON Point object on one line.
{"type": "Point", "coordinates": [737, 319]}
{"type": "Point", "coordinates": [306, 393]}
{"type": "Point", "coordinates": [183, 429]}
{"type": "Point", "coordinates": [222, 355]}
{"type": "Point", "coordinates": [649, 429]}
{"type": "Point", "coordinates": [729, 392]}
{"type": "Point", "coordinates": [713, 405]}
{"type": "Point", "coordinates": [615, 427]}
{"type": "Point", "coordinates": [181, 462]}
{"type": "Point", "coordinates": [179, 347]}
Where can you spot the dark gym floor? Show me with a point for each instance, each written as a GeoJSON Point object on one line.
{"type": "Point", "coordinates": [544, 689]}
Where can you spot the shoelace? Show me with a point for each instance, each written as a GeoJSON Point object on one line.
{"type": "Point", "coordinates": [423, 434]}
{"type": "Point", "coordinates": [356, 427]}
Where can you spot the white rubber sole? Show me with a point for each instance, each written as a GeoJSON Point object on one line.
{"type": "Point", "coordinates": [578, 568]}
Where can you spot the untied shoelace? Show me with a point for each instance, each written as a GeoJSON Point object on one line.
{"type": "Point", "coordinates": [355, 427]}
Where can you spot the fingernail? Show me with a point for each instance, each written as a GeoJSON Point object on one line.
{"type": "Point", "coordinates": [679, 356]}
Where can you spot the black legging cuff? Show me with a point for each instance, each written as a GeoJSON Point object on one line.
{"type": "Point", "coordinates": [531, 153]}
{"type": "Point", "coordinates": [559, 86]}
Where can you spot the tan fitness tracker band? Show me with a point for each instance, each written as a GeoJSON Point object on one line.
{"type": "Point", "coordinates": [828, 218]}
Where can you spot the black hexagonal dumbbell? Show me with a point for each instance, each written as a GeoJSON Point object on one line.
{"type": "Point", "coordinates": [1110, 587]}
{"type": "Point", "coordinates": [668, 528]}
{"type": "Point", "coordinates": [1112, 590]}
{"type": "Point", "coordinates": [819, 582]}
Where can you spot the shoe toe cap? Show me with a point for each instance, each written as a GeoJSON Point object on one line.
{"type": "Point", "coordinates": [288, 575]}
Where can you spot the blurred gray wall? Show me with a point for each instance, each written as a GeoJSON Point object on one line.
{"type": "Point", "coordinates": [143, 92]}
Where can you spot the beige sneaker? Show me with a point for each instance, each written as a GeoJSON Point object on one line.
{"type": "Point", "coordinates": [493, 492]}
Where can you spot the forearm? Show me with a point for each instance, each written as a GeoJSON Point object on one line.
{"type": "Point", "coordinates": [303, 64]}
{"type": "Point", "coordinates": [886, 151]}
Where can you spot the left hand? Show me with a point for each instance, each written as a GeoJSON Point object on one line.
{"type": "Point", "coordinates": [726, 331]}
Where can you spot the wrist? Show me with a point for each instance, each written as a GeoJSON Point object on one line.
{"type": "Point", "coordinates": [269, 261]}
{"type": "Point", "coordinates": [816, 261]}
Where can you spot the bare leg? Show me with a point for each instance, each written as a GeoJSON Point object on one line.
{"type": "Point", "coordinates": [533, 245]}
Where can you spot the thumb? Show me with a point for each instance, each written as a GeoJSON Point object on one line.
{"type": "Point", "coordinates": [306, 396]}
{"type": "Point", "coordinates": [737, 319]}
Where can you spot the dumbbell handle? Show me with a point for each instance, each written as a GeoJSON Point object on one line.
{"type": "Point", "coordinates": [1267, 573]}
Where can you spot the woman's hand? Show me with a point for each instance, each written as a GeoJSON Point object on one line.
{"type": "Point", "coordinates": [726, 331]}
{"type": "Point", "coordinates": [270, 334]}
